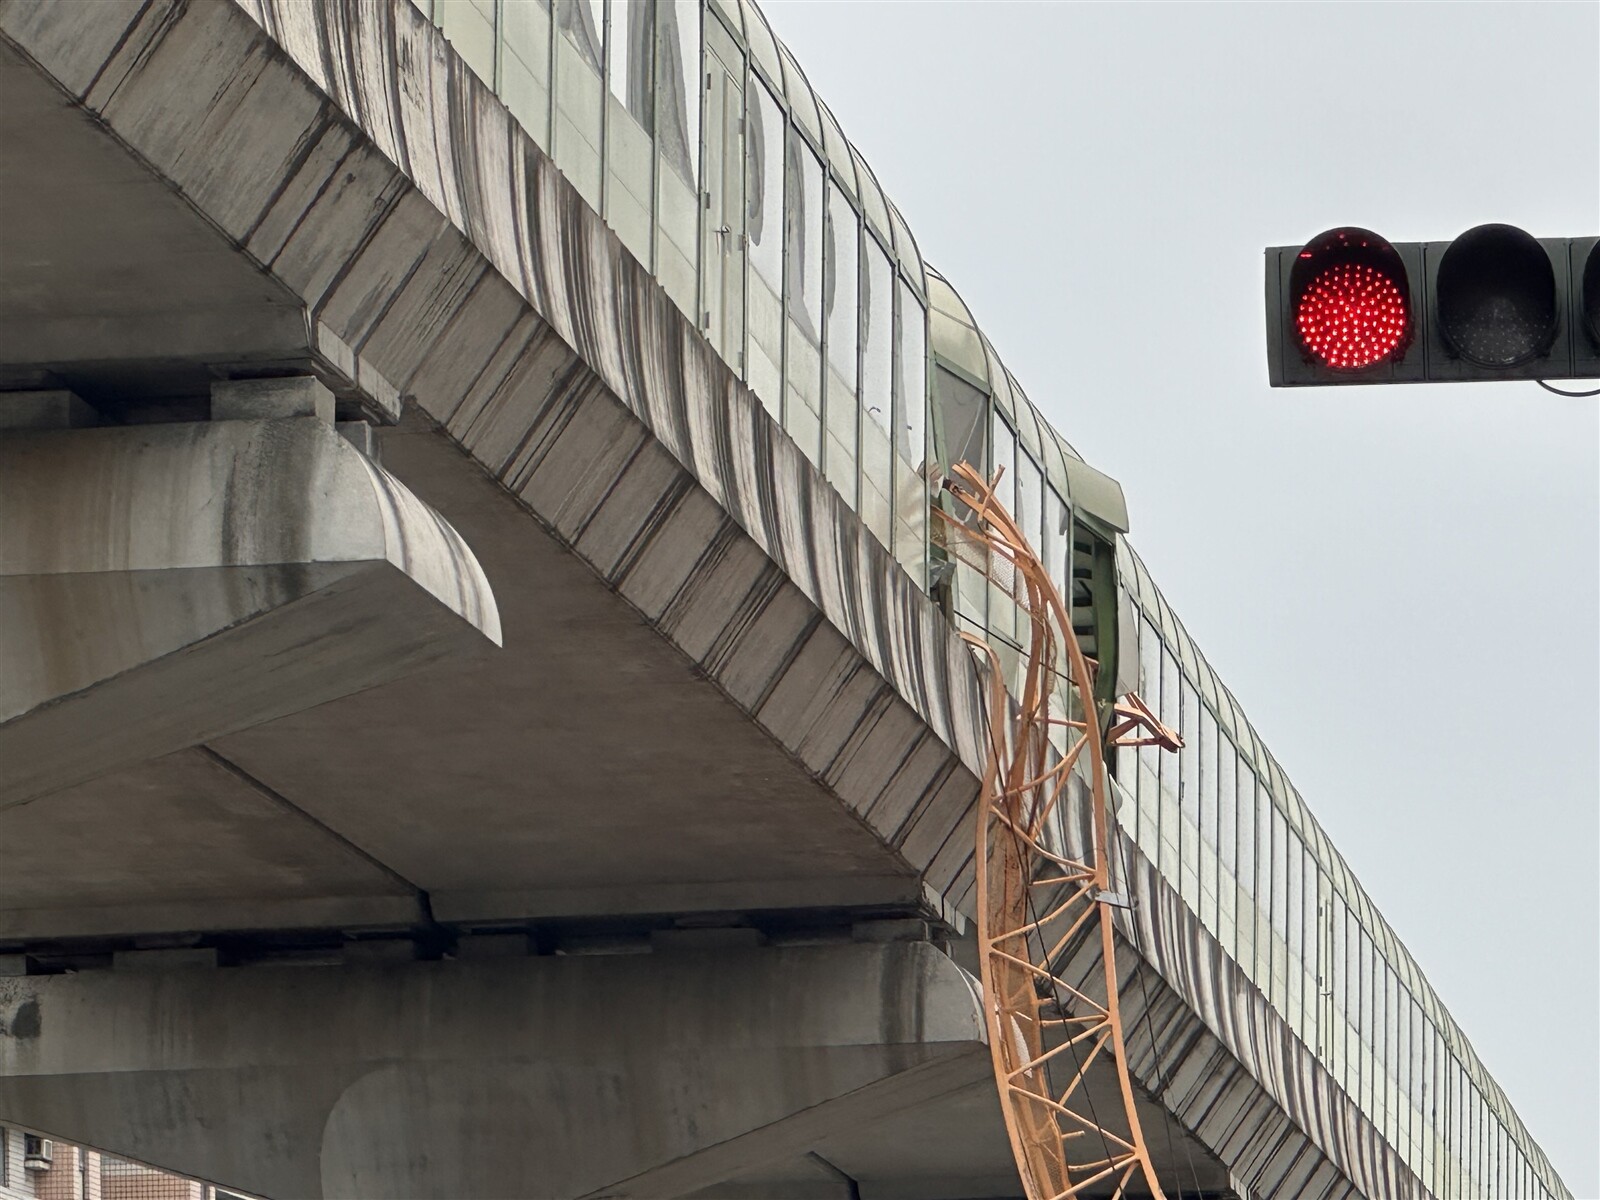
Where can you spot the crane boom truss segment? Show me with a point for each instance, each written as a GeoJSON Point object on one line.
{"type": "Point", "coordinates": [1035, 900]}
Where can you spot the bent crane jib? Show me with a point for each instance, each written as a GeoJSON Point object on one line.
{"type": "Point", "coordinates": [1055, 1031]}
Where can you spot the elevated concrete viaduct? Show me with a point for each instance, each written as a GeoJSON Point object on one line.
{"type": "Point", "coordinates": [396, 586]}
{"type": "Point", "coordinates": [276, 723]}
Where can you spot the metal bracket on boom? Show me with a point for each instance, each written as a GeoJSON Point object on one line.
{"type": "Point", "coordinates": [1136, 725]}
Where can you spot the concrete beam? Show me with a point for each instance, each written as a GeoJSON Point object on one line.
{"type": "Point", "coordinates": [794, 1136]}
{"type": "Point", "coordinates": [617, 1076]}
{"type": "Point", "coordinates": [164, 585]}
{"type": "Point", "coordinates": [53, 409]}
{"type": "Point", "coordinates": [271, 399]}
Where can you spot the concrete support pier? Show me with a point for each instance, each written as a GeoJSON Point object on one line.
{"type": "Point", "coordinates": [162, 585]}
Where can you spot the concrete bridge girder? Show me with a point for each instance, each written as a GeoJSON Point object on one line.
{"type": "Point", "coordinates": [642, 1075]}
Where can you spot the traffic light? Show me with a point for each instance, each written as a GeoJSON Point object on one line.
{"type": "Point", "coordinates": [1495, 303]}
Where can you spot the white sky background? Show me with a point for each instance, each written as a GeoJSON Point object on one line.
{"type": "Point", "coordinates": [1401, 585]}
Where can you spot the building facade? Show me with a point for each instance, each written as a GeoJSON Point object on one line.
{"type": "Point", "coordinates": [39, 1168]}
{"type": "Point", "coordinates": [690, 127]}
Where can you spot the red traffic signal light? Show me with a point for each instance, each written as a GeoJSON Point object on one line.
{"type": "Point", "coordinates": [1495, 303]}
{"type": "Point", "coordinates": [1351, 299]}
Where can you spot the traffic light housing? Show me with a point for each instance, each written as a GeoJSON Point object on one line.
{"type": "Point", "coordinates": [1495, 303]}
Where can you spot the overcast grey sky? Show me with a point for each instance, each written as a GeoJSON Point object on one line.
{"type": "Point", "coordinates": [1401, 585]}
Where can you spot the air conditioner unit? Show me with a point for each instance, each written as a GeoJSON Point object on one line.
{"type": "Point", "coordinates": [37, 1152]}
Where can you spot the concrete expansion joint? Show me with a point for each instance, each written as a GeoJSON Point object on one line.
{"type": "Point", "coordinates": [171, 959]}
{"type": "Point", "coordinates": [898, 929]}
{"type": "Point", "coordinates": [273, 398]}
{"type": "Point", "coordinates": [706, 941]}
{"type": "Point", "coordinates": [427, 940]}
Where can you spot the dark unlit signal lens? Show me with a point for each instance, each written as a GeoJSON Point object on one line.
{"type": "Point", "coordinates": [1496, 297]}
{"type": "Point", "coordinates": [1591, 295]}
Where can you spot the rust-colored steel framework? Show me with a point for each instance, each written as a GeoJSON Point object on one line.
{"type": "Point", "coordinates": [1035, 901]}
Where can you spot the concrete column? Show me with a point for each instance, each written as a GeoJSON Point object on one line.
{"type": "Point", "coordinates": [622, 1076]}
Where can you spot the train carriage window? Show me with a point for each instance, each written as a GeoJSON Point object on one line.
{"type": "Point", "coordinates": [960, 427]}
{"type": "Point", "coordinates": [579, 94]}
{"type": "Point", "coordinates": [470, 27]}
{"type": "Point", "coordinates": [841, 313]}
{"type": "Point", "coordinates": [802, 411]}
{"type": "Point", "coordinates": [581, 21]}
{"type": "Point", "coordinates": [877, 390]}
{"type": "Point", "coordinates": [764, 228]}
{"type": "Point", "coordinates": [679, 65]}
{"type": "Point", "coordinates": [912, 376]}
{"type": "Point", "coordinates": [525, 66]}
{"type": "Point", "coordinates": [629, 124]}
